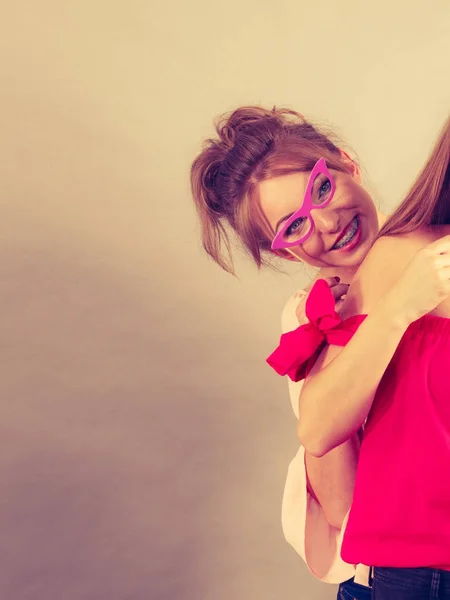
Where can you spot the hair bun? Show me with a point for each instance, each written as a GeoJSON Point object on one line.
{"type": "Point", "coordinates": [227, 135]}
{"type": "Point", "coordinates": [231, 125]}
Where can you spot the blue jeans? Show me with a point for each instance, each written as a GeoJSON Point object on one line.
{"type": "Point", "coordinates": [349, 590]}
{"type": "Point", "coordinates": [410, 584]}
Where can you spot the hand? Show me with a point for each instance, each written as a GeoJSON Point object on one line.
{"type": "Point", "coordinates": [425, 283]}
{"type": "Point", "coordinates": [337, 289]}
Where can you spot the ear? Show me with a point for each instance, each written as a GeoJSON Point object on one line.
{"type": "Point", "coordinates": [354, 169]}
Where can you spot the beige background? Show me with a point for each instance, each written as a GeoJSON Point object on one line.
{"type": "Point", "coordinates": [144, 443]}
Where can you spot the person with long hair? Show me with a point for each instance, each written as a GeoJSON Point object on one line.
{"type": "Point", "coordinates": [382, 364]}
{"type": "Point", "coordinates": [263, 162]}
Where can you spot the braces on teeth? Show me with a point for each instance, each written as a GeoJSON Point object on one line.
{"type": "Point", "coordinates": [348, 236]}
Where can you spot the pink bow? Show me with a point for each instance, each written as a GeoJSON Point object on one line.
{"type": "Point", "coordinates": [298, 350]}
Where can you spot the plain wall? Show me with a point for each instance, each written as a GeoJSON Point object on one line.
{"type": "Point", "coordinates": [144, 442]}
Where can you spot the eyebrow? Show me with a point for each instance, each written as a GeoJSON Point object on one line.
{"type": "Point", "coordinates": [283, 219]}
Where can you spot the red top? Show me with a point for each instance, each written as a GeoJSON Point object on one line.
{"type": "Point", "coordinates": [400, 516]}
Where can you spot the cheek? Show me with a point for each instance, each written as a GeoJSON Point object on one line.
{"type": "Point", "coordinates": [367, 206]}
{"type": "Point", "coordinates": [371, 215]}
{"type": "Point", "coordinates": [369, 202]}
{"type": "Point", "coordinates": [294, 254]}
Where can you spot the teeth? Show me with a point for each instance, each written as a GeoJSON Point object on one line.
{"type": "Point", "coordinates": [348, 236]}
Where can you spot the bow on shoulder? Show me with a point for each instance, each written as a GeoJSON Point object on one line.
{"type": "Point", "coordinates": [299, 349]}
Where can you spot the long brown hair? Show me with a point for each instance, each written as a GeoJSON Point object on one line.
{"type": "Point", "coordinates": [428, 201]}
{"type": "Point", "coordinates": [252, 144]}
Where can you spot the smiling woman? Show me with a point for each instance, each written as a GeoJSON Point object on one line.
{"type": "Point", "coordinates": [254, 176]}
{"type": "Point", "coordinates": [329, 202]}
{"type": "Point", "coordinates": [288, 190]}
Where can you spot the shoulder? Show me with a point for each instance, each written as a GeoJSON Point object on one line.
{"type": "Point", "coordinates": [383, 265]}
{"type": "Point", "coordinates": [393, 253]}
{"type": "Point", "coordinates": [398, 246]}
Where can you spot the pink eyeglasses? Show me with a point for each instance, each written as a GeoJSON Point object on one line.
{"type": "Point", "coordinates": [319, 192]}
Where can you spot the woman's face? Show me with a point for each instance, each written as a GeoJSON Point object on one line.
{"type": "Point", "coordinates": [343, 231]}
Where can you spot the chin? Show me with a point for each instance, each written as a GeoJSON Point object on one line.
{"type": "Point", "coordinates": [354, 254]}
{"type": "Point", "coordinates": [349, 260]}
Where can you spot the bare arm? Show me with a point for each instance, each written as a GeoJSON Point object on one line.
{"type": "Point", "coordinates": [331, 478]}
{"type": "Point", "coordinates": [395, 290]}
{"type": "Point", "coordinates": [338, 394]}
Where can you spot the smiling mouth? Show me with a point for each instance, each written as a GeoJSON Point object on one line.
{"type": "Point", "coordinates": [348, 234]}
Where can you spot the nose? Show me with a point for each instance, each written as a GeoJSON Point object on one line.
{"type": "Point", "coordinates": [326, 221]}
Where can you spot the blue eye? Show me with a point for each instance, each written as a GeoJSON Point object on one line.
{"type": "Point", "coordinates": [324, 188]}
{"type": "Point", "coordinates": [295, 226]}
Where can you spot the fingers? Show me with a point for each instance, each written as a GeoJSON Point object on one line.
{"type": "Point", "coordinates": [441, 261]}
{"type": "Point", "coordinates": [445, 273]}
{"type": "Point", "coordinates": [332, 281]}
{"type": "Point", "coordinates": [440, 246]}
{"type": "Point", "coordinates": [444, 283]}
{"type": "Point", "coordinates": [339, 290]}
{"type": "Point", "coordinates": [339, 304]}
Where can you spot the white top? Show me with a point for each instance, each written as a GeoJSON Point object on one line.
{"type": "Point", "coordinates": [303, 520]}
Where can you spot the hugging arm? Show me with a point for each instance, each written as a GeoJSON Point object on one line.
{"type": "Point", "coordinates": [330, 479]}
{"type": "Point", "coordinates": [338, 393]}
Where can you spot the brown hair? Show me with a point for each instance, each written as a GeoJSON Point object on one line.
{"type": "Point", "coordinates": [428, 201]}
{"type": "Point", "coordinates": [252, 144]}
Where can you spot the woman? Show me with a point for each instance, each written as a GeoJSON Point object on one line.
{"type": "Point", "coordinates": [392, 377]}
{"type": "Point", "coordinates": [260, 155]}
